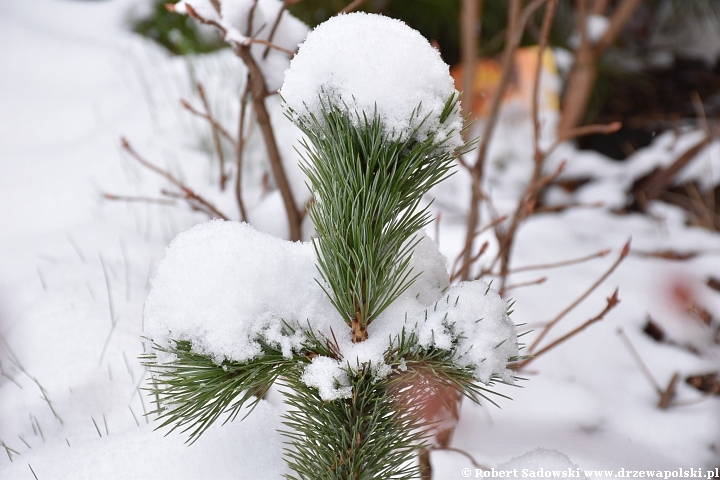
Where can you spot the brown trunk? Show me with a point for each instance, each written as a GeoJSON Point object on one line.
{"type": "Point", "coordinates": [359, 331]}
{"type": "Point", "coordinates": [579, 87]}
{"type": "Point", "coordinates": [424, 464]}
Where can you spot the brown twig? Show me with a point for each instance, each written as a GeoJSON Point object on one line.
{"type": "Point", "coordinates": [612, 302]}
{"type": "Point", "coordinates": [189, 194]}
{"type": "Point", "coordinates": [584, 71]}
{"type": "Point", "coordinates": [464, 453]}
{"type": "Point", "coordinates": [469, 31]}
{"type": "Point", "coordinates": [268, 45]}
{"type": "Point", "coordinates": [275, 25]}
{"type": "Point", "coordinates": [561, 315]}
{"type": "Point", "coordinates": [544, 34]}
{"type": "Point", "coordinates": [259, 92]}
{"type": "Point", "coordinates": [564, 206]}
{"type": "Point", "coordinates": [216, 5]}
{"type": "Point", "coordinates": [215, 136]}
{"type": "Point", "coordinates": [529, 283]}
{"type": "Point", "coordinates": [213, 122]}
{"type": "Point", "coordinates": [352, 6]}
{"type": "Point", "coordinates": [653, 186]}
{"type": "Point", "coordinates": [518, 20]}
{"type": "Point", "coordinates": [525, 208]}
{"type": "Point", "coordinates": [562, 263]}
{"type": "Point", "coordinates": [472, 260]}
{"type": "Point", "coordinates": [667, 395]}
{"type": "Point", "coordinates": [460, 256]}
{"type": "Point", "coordinates": [602, 129]}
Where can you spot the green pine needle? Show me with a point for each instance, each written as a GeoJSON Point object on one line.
{"type": "Point", "coordinates": [368, 187]}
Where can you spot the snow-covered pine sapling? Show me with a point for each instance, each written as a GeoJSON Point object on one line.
{"type": "Point", "coordinates": [361, 325]}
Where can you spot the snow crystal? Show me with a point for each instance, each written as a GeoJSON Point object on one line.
{"type": "Point", "coordinates": [327, 375]}
{"type": "Point", "coordinates": [372, 63]}
{"type": "Point", "coordinates": [544, 463]}
{"type": "Point", "coordinates": [245, 20]}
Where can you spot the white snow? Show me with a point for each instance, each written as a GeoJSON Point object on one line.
{"type": "Point", "coordinates": [374, 64]}
{"type": "Point", "coordinates": [74, 79]}
{"type": "Point", "coordinates": [327, 375]}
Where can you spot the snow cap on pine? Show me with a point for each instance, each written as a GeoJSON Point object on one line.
{"type": "Point", "coordinates": [374, 64]}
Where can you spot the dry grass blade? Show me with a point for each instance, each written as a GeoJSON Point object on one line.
{"type": "Point", "coordinates": [636, 356]}
{"type": "Point", "coordinates": [138, 199]}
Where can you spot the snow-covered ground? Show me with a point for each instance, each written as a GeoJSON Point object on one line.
{"type": "Point", "coordinates": [75, 270]}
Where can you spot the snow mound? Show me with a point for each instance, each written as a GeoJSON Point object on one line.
{"type": "Point", "coordinates": [371, 63]}
{"type": "Point", "coordinates": [225, 287]}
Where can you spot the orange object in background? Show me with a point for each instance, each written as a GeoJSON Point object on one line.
{"type": "Point", "coordinates": [520, 87]}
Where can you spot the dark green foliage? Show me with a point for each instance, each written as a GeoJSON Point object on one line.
{"type": "Point", "coordinates": [367, 188]}
{"type": "Point", "coordinates": [193, 391]}
{"type": "Point", "coordinates": [363, 437]}
{"type": "Point", "coordinates": [178, 33]}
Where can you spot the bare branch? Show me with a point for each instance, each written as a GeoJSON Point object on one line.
{"type": "Point", "coordinates": [467, 265]}
{"type": "Point", "coordinates": [513, 41]}
{"type": "Point", "coordinates": [268, 45]}
{"type": "Point", "coordinates": [213, 122]}
{"type": "Point", "coordinates": [612, 302]}
{"type": "Point", "coordinates": [561, 315]}
{"type": "Point", "coordinates": [544, 34]}
{"type": "Point", "coordinates": [468, 245]}
{"type": "Point", "coordinates": [603, 129]}
{"type": "Point", "coordinates": [529, 283]}
{"type": "Point", "coordinates": [563, 263]}
{"type": "Point", "coordinates": [275, 24]}
{"type": "Point", "coordinates": [187, 191]}
{"type": "Point", "coordinates": [259, 92]}
{"type": "Point", "coordinates": [469, 31]}
{"type": "Point", "coordinates": [352, 6]}
{"type": "Point", "coordinates": [654, 185]}
{"type": "Point", "coordinates": [667, 395]}
{"type": "Point", "coordinates": [215, 136]}
{"type": "Point", "coordinates": [620, 16]}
